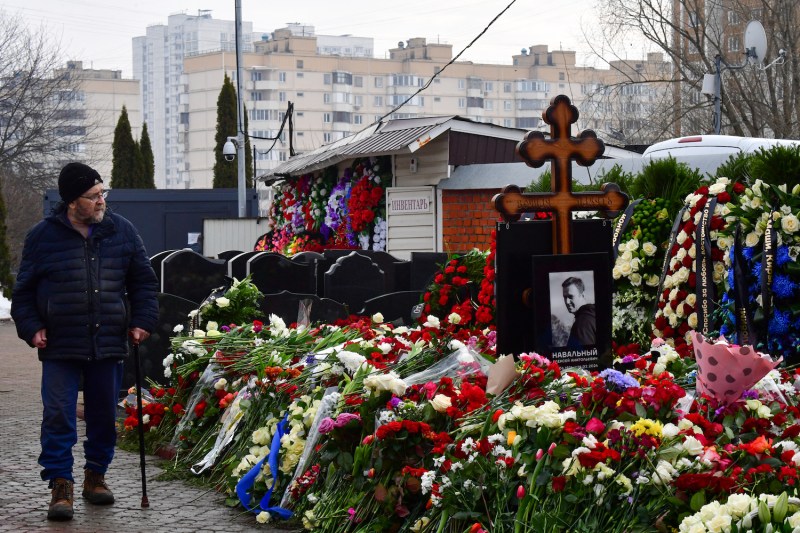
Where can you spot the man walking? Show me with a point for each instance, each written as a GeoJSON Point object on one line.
{"type": "Point", "coordinates": [84, 286]}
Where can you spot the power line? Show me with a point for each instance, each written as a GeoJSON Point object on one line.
{"type": "Point", "coordinates": [484, 30]}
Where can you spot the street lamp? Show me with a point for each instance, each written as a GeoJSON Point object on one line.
{"type": "Point", "coordinates": [240, 114]}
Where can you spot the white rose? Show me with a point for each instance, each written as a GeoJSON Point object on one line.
{"type": "Point", "coordinates": [616, 272]}
{"type": "Point", "coordinates": [739, 504]}
{"type": "Point", "coordinates": [198, 333]}
{"type": "Point", "coordinates": [636, 279]}
{"type": "Point", "coordinates": [652, 280]}
{"type": "Point", "coordinates": [178, 328]}
{"type": "Point", "coordinates": [625, 269]}
{"type": "Point", "coordinates": [717, 188]}
{"type": "Point", "coordinates": [692, 320]}
{"type": "Point", "coordinates": [790, 224]}
{"type": "Point", "coordinates": [431, 322]}
{"type": "Point", "coordinates": [692, 252]}
{"type": "Point", "coordinates": [212, 326]}
{"type": "Point", "coordinates": [691, 299]}
{"type": "Point", "coordinates": [649, 249]}
{"type": "Point", "coordinates": [223, 302]}
{"type": "Point", "coordinates": [681, 254]}
{"type": "Point", "coordinates": [385, 382]}
{"type": "Point", "coordinates": [441, 402]}
{"type": "Point", "coordinates": [632, 245]}
{"type": "Point", "coordinates": [377, 318]}
{"type": "Point", "coordinates": [626, 256]}
{"type": "Point", "coordinates": [220, 383]}
{"type": "Point", "coordinates": [454, 318]}
{"type": "Point", "coordinates": [692, 446]}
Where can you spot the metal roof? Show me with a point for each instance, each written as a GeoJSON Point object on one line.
{"type": "Point", "coordinates": [394, 136]}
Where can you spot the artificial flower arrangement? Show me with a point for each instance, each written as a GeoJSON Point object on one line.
{"type": "Point", "coordinates": [677, 310]}
{"type": "Point", "coordinates": [637, 271]}
{"type": "Point", "coordinates": [766, 271]}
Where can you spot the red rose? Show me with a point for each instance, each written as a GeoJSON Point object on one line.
{"type": "Point", "coordinates": [559, 482]}
{"type": "Point", "coordinates": [738, 188]}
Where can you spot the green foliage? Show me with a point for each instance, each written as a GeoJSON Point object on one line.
{"type": "Point", "coordinates": [736, 168]}
{"type": "Point", "coordinates": [542, 184]}
{"type": "Point", "coordinates": [776, 165]}
{"type": "Point", "coordinates": [240, 304]}
{"type": "Point", "coordinates": [226, 173]}
{"type": "Point", "coordinates": [125, 160]}
{"type": "Point", "coordinates": [617, 175]}
{"type": "Point", "coordinates": [146, 150]}
{"type": "Point", "coordinates": [667, 179]}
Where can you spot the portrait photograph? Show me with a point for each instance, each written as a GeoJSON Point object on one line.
{"type": "Point", "coordinates": [572, 309]}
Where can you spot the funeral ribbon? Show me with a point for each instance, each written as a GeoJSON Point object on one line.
{"type": "Point", "coordinates": [704, 269]}
{"type": "Point", "coordinates": [665, 267]}
{"type": "Point", "coordinates": [744, 322]}
{"type": "Point", "coordinates": [246, 483]}
{"type": "Point", "coordinates": [768, 269]}
{"type": "Point", "coordinates": [622, 225]}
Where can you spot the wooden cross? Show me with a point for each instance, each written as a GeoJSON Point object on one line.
{"type": "Point", "coordinates": [561, 149]}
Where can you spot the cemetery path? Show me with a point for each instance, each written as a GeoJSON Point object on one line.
{"type": "Point", "coordinates": [175, 507]}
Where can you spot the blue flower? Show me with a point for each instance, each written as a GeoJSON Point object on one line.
{"type": "Point", "coordinates": [779, 323]}
{"type": "Point", "coordinates": [756, 269]}
{"type": "Point", "coordinates": [748, 252]}
{"type": "Point", "coordinates": [782, 286]}
{"type": "Point", "coordinates": [782, 257]}
{"type": "Point", "coordinates": [618, 380]}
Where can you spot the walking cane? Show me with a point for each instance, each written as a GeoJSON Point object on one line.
{"type": "Point", "coordinates": [137, 363]}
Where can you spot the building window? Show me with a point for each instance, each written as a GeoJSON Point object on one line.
{"type": "Point", "coordinates": [437, 99]}
{"type": "Point", "coordinates": [358, 100]}
{"type": "Point", "coordinates": [507, 87]}
{"type": "Point", "coordinates": [326, 79]}
{"type": "Point", "coordinates": [326, 98]}
{"type": "Point", "coordinates": [342, 78]}
{"type": "Point", "coordinates": [488, 86]}
{"type": "Point", "coordinates": [327, 137]}
{"type": "Point", "coordinates": [561, 76]}
{"type": "Point", "coordinates": [299, 63]}
{"type": "Point", "coordinates": [488, 105]}
{"type": "Point", "coordinates": [462, 84]}
{"type": "Point", "coordinates": [358, 119]}
{"type": "Point", "coordinates": [326, 118]}
{"type": "Point", "coordinates": [282, 77]}
{"type": "Point", "coordinates": [300, 95]}
{"type": "Point", "coordinates": [358, 81]}
{"type": "Point", "coordinates": [694, 19]}
{"type": "Point", "coordinates": [256, 96]}
{"type": "Point", "coordinates": [733, 17]}
{"type": "Point", "coordinates": [300, 75]}
{"type": "Point", "coordinates": [734, 43]}
{"type": "Point", "coordinates": [508, 122]}
{"type": "Point", "coordinates": [508, 105]}
{"type": "Point", "coordinates": [462, 103]}
{"type": "Point", "coordinates": [255, 75]}
{"type": "Point", "coordinates": [378, 101]}
{"type": "Point", "coordinates": [378, 82]}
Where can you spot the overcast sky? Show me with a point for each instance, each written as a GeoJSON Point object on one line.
{"type": "Point", "coordinates": [100, 32]}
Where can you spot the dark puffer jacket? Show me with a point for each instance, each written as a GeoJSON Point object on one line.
{"type": "Point", "coordinates": [87, 293]}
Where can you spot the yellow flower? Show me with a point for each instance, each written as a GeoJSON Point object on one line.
{"type": "Point", "coordinates": [511, 436]}
{"type": "Point", "coordinates": [647, 426]}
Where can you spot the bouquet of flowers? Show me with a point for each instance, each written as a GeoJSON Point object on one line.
{"type": "Point", "coordinates": [451, 295]}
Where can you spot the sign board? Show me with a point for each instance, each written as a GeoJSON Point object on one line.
{"type": "Point", "coordinates": [410, 220]}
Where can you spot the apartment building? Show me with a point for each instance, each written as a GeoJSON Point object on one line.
{"type": "Point", "coordinates": [93, 111]}
{"type": "Point", "coordinates": [158, 59]}
{"type": "Point", "coordinates": [337, 95]}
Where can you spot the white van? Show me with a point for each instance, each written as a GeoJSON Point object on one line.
{"type": "Point", "coordinates": [721, 145]}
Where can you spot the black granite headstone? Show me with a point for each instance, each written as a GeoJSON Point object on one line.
{"type": "Point", "coordinates": [424, 266]}
{"type": "Point", "coordinates": [287, 304]}
{"type": "Point", "coordinates": [396, 307]}
{"type": "Point", "coordinates": [316, 259]}
{"type": "Point", "coordinates": [273, 273]}
{"type": "Point", "coordinates": [396, 271]}
{"type": "Point", "coordinates": [157, 259]}
{"type": "Point", "coordinates": [238, 265]}
{"type": "Point", "coordinates": [191, 276]}
{"type": "Point", "coordinates": [228, 254]}
{"type": "Point", "coordinates": [354, 279]}
{"type": "Point", "coordinates": [172, 311]}
{"type": "Point", "coordinates": [517, 243]}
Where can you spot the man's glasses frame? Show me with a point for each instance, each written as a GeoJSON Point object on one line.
{"type": "Point", "coordinates": [96, 197]}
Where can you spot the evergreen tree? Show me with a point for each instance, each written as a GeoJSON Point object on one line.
{"type": "Point", "coordinates": [146, 149]}
{"type": "Point", "coordinates": [139, 172]}
{"type": "Point", "coordinates": [225, 172]}
{"type": "Point", "coordinates": [124, 164]}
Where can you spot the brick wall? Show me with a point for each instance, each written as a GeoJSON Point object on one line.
{"type": "Point", "coordinates": [468, 218]}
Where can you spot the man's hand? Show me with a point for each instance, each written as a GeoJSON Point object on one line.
{"type": "Point", "coordinates": [138, 335]}
{"type": "Point", "coordinates": [40, 339]}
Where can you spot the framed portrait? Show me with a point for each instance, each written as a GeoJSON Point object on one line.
{"type": "Point", "coordinates": [571, 304]}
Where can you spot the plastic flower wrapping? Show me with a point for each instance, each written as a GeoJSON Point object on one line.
{"type": "Point", "coordinates": [364, 426]}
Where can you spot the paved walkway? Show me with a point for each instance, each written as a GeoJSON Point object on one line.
{"type": "Point", "coordinates": [174, 506]}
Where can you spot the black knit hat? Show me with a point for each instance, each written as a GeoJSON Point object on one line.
{"type": "Point", "coordinates": [75, 179]}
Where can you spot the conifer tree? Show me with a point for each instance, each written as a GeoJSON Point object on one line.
{"type": "Point", "coordinates": [225, 172]}
{"type": "Point", "coordinates": [146, 149]}
{"type": "Point", "coordinates": [124, 164]}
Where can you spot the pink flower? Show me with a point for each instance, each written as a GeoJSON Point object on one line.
{"type": "Point", "coordinates": [326, 426]}
{"type": "Point", "coordinates": [345, 418]}
{"type": "Point", "coordinates": [595, 426]}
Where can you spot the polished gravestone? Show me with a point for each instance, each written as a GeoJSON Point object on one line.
{"type": "Point", "coordinates": [318, 260]}
{"type": "Point", "coordinates": [157, 259]}
{"type": "Point", "coordinates": [172, 311]}
{"type": "Point", "coordinates": [396, 271]}
{"type": "Point", "coordinates": [273, 273]}
{"type": "Point", "coordinates": [551, 299]}
{"type": "Point", "coordinates": [354, 279]}
{"type": "Point", "coordinates": [238, 265]}
{"type": "Point", "coordinates": [287, 305]}
{"type": "Point", "coordinates": [424, 266]}
{"type": "Point", "coordinates": [228, 254]}
{"type": "Point", "coordinates": [396, 307]}
{"type": "Point", "coordinates": [191, 276]}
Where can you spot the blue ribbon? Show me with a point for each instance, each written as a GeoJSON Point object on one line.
{"type": "Point", "coordinates": [246, 482]}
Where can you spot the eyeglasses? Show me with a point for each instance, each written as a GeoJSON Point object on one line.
{"type": "Point", "coordinates": [96, 197]}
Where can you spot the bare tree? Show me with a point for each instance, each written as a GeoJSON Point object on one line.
{"type": "Point", "coordinates": [691, 34]}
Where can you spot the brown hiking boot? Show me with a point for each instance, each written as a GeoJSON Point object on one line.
{"type": "Point", "coordinates": [61, 503]}
{"type": "Point", "coordinates": [95, 489]}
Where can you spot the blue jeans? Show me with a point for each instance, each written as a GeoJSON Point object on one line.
{"type": "Point", "coordinates": [101, 389]}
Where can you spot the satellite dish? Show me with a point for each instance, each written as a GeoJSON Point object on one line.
{"type": "Point", "coordinates": [755, 41]}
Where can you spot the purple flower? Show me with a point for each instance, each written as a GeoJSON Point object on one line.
{"type": "Point", "coordinates": [224, 328]}
{"type": "Point", "coordinates": [750, 394]}
{"type": "Point", "coordinates": [326, 426]}
{"type": "Point", "coordinates": [394, 402]}
{"type": "Point", "coordinates": [618, 380]}
{"type": "Point", "coordinates": [345, 418]}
